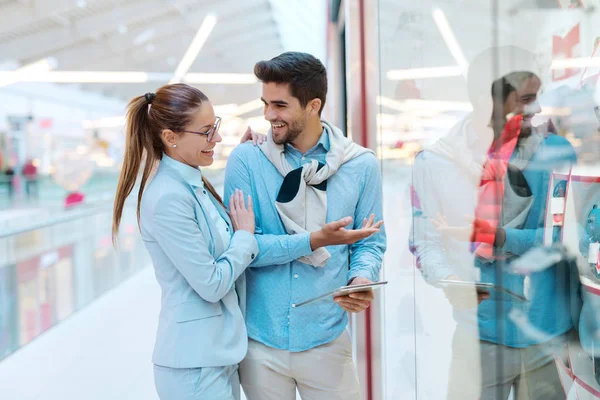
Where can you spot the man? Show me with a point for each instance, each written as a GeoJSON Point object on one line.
{"type": "Point", "coordinates": [316, 198]}
{"type": "Point", "coordinates": [500, 343]}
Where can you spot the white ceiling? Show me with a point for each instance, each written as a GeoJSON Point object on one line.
{"type": "Point", "coordinates": [150, 36]}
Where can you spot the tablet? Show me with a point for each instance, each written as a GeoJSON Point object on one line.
{"type": "Point", "coordinates": [498, 291]}
{"type": "Point", "coordinates": [343, 291]}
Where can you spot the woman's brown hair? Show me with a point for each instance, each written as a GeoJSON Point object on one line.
{"type": "Point", "coordinates": [172, 107]}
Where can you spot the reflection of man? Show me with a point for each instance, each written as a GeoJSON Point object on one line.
{"type": "Point", "coordinates": [308, 182]}
{"type": "Point", "coordinates": [517, 339]}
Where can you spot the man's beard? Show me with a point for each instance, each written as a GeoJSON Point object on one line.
{"type": "Point", "coordinates": [526, 131]}
{"type": "Point", "coordinates": [292, 134]}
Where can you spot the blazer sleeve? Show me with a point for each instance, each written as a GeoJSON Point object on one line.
{"type": "Point", "coordinates": [178, 234]}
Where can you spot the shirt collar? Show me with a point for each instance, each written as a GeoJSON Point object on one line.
{"type": "Point", "coordinates": [323, 143]}
{"type": "Point", "coordinates": [324, 140]}
{"type": "Point", "coordinates": [191, 175]}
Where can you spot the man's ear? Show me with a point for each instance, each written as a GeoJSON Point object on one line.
{"type": "Point", "coordinates": [314, 107]}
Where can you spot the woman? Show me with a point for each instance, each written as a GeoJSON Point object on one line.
{"type": "Point", "coordinates": [198, 259]}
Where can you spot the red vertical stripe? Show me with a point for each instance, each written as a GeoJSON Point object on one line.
{"type": "Point", "coordinates": [363, 76]}
{"type": "Point", "coordinates": [365, 143]}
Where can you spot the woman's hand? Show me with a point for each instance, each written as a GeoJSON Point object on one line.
{"type": "Point", "coordinates": [242, 218]}
{"type": "Point", "coordinates": [254, 136]}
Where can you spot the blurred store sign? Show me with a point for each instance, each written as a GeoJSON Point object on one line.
{"type": "Point", "coordinates": [18, 123]}
{"type": "Point", "coordinates": [565, 47]}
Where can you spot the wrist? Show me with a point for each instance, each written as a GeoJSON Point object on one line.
{"type": "Point", "coordinates": [500, 239]}
{"type": "Point", "coordinates": [317, 240]}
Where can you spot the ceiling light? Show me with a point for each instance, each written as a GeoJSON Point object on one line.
{"type": "Point", "coordinates": [225, 109]}
{"type": "Point", "coordinates": [194, 49]}
{"type": "Point", "coordinates": [220, 78]}
{"type": "Point", "coordinates": [584, 62]}
{"type": "Point", "coordinates": [439, 105]}
{"type": "Point", "coordinates": [79, 76]}
{"type": "Point", "coordinates": [123, 29]}
{"type": "Point", "coordinates": [450, 39]}
{"type": "Point", "coordinates": [38, 72]}
{"type": "Point", "coordinates": [143, 37]}
{"type": "Point", "coordinates": [110, 122]}
{"type": "Point", "coordinates": [40, 66]}
{"type": "Point", "coordinates": [428, 105]}
{"type": "Point", "coordinates": [246, 108]}
{"type": "Point", "coordinates": [422, 73]}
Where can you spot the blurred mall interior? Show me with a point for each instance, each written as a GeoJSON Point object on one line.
{"type": "Point", "coordinates": [78, 315]}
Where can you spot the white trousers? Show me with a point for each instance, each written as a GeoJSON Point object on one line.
{"type": "Point", "coordinates": [209, 383]}
{"type": "Point", "coordinates": [326, 372]}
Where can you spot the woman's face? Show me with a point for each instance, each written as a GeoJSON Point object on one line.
{"type": "Point", "coordinates": [194, 149]}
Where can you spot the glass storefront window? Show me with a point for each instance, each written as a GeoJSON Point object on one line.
{"type": "Point", "coordinates": [489, 142]}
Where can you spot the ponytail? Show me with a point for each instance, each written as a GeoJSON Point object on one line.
{"type": "Point", "coordinates": [140, 146]}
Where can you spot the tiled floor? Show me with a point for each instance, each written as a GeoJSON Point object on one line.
{"type": "Point", "coordinates": [102, 352]}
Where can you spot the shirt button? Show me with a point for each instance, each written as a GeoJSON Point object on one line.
{"type": "Point", "coordinates": [296, 276]}
{"type": "Point", "coordinates": [288, 317]}
{"type": "Point", "coordinates": [204, 191]}
{"type": "Point", "coordinates": [227, 229]}
{"type": "Point", "coordinates": [252, 256]}
{"type": "Point", "coordinates": [303, 158]}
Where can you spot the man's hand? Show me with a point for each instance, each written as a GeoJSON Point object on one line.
{"type": "Point", "coordinates": [359, 301]}
{"type": "Point", "coordinates": [464, 298]}
{"type": "Point", "coordinates": [335, 233]}
{"type": "Point", "coordinates": [254, 136]}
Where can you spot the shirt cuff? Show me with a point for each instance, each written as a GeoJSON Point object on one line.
{"type": "Point", "coordinates": [299, 245]}
{"type": "Point", "coordinates": [513, 242]}
{"type": "Point", "coordinates": [361, 273]}
{"type": "Point", "coordinates": [248, 240]}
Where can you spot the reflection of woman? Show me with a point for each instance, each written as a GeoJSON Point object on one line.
{"type": "Point", "coordinates": [198, 259]}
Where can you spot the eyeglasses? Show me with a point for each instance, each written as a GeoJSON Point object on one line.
{"type": "Point", "coordinates": [211, 132]}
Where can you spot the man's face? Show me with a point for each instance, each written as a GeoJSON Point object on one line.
{"type": "Point", "coordinates": [283, 111]}
{"type": "Point", "coordinates": [524, 101]}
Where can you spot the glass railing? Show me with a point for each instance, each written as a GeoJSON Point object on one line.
{"type": "Point", "coordinates": [52, 267]}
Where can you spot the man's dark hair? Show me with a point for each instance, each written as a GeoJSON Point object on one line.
{"type": "Point", "coordinates": [305, 74]}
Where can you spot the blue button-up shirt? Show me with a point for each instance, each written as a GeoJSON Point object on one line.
{"type": "Point", "coordinates": [276, 280]}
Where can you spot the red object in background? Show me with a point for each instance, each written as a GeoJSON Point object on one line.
{"type": "Point", "coordinates": [73, 199]}
{"type": "Point", "coordinates": [558, 219]}
{"type": "Point", "coordinates": [567, 47]}
{"type": "Point", "coordinates": [407, 90]}
{"type": "Point", "coordinates": [29, 170]}
{"type": "Point", "coordinates": [46, 123]}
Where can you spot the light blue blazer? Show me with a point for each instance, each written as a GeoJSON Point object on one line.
{"type": "Point", "coordinates": [201, 322]}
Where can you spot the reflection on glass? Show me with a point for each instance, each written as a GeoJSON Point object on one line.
{"type": "Point", "coordinates": [494, 102]}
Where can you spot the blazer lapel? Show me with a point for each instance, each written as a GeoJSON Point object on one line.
{"type": "Point", "coordinates": [211, 228]}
